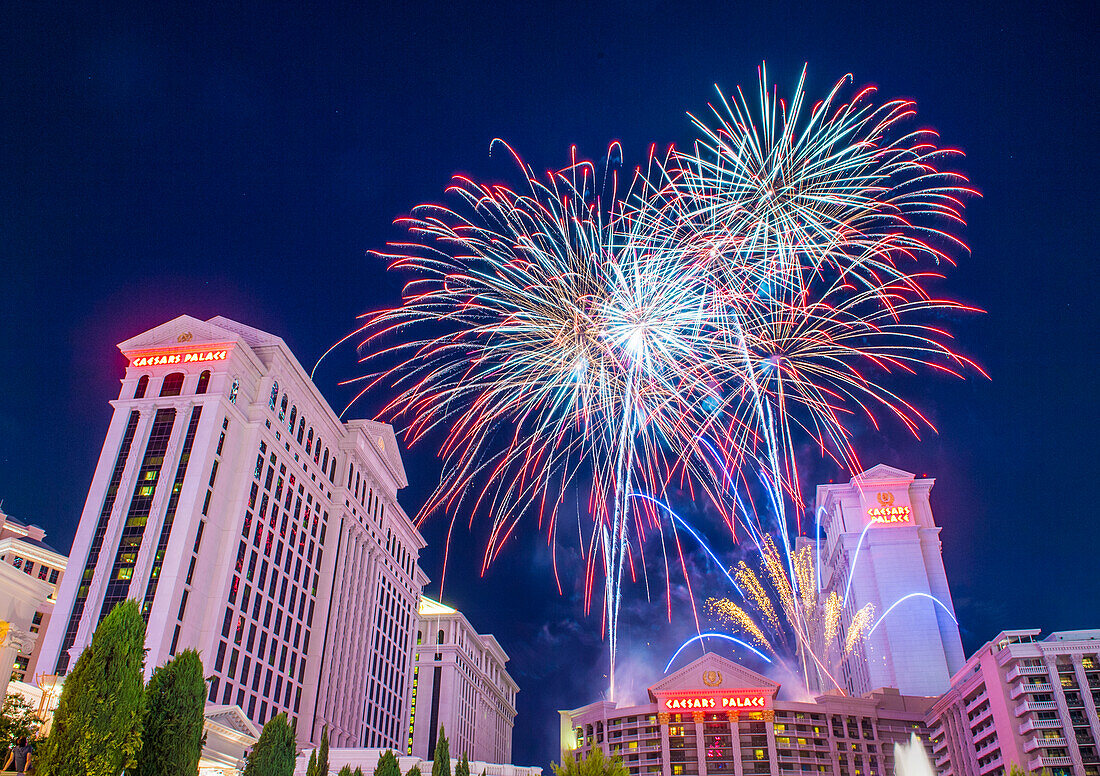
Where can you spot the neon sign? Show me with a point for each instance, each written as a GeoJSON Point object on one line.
{"type": "Point", "coordinates": [890, 514]}
{"type": "Point", "coordinates": [166, 358]}
{"type": "Point", "coordinates": [717, 701]}
{"type": "Point", "coordinates": [887, 511]}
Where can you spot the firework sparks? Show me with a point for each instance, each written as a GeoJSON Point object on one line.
{"type": "Point", "coordinates": [729, 300]}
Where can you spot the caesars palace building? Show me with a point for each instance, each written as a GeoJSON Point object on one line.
{"type": "Point", "coordinates": [251, 523]}
{"type": "Point", "coordinates": [715, 716]}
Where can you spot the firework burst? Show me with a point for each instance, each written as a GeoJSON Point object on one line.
{"type": "Point", "coordinates": [688, 325]}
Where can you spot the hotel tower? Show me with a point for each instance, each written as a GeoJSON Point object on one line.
{"type": "Point", "coordinates": [881, 546]}
{"type": "Point", "coordinates": [252, 524]}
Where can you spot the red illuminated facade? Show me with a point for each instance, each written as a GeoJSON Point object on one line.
{"type": "Point", "coordinates": [715, 716]}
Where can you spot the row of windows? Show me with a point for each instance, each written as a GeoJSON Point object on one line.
{"type": "Point", "coordinates": [313, 445]}
{"type": "Point", "coordinates": [28, 566]}
{"type": "Point", "coordinates": [267, 631]}
{"type": "Point", "coordinates": [97, 542]}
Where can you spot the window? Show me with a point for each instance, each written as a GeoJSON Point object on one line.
{"type": "Point", "coordinates": [293, 417]}
{"type": "Point", "coordinates": [233, 390]}
{"type": "Point", "coordinates": [204, 382]}
{"type": "Point", "coordinates": [309, 442]}
{"type": "Point", "coordinates": [301, 428]}
{"type": "Point", "coordinates": [274, 396]}
{"type": "Point", "coordinates": [172, 384]}
{"type": "Point", "coordinates": [282, 408]}
{"type": "Point", "coordinates": [142, 386]}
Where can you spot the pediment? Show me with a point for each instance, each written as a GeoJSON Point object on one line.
{"type": "Point", "coordinates": [232, 717]}
{"type": "Point", "coordinates": [713, 672]}
{"type": "Point", "coordinates": [183, 329]}
{"type": "Point", "coordinates": [882, 472]}
{"type": "Point", "coordinates": [384, 441]}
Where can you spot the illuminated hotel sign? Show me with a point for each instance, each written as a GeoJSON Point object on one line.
{"type": "Point", "coordinates": [888, 512]}
{"type": "Point", "coordinates": [720, 700]}
{"type": "Point", "coordinates": [176, 356]}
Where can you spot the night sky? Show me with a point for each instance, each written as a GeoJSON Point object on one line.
{"type": "Point", "coordinates": [167, 158]}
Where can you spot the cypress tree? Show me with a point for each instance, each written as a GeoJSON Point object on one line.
{"type": "Point", "coordinates": [172, 736]}
{"type": "Point", "coordinates": [441, 762]}
{"type": "Point", "coordinates": [311, 769]}
{"type": "Point", "coordinates": [345, 771]}
{"type": "Point", "coordinates": [462, 767]}
{"type": "Point", "coordinates": [322, 754]}
{"type": "Point", "coordinates": [387, 765]}
{"type": "Point", "coordinates": [414, 771]}
{"type": "Point", "coordinates": [273, 754]}
{"type": "Point", "coordinates": [98, 723]}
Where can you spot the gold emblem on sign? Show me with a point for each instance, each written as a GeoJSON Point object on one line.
{"type": "Point", "coordinates": [712, 678]}
{"type": "Point", "coordinates": [886, 499]}
{"type": "Point", "coordinates": [184, 337]}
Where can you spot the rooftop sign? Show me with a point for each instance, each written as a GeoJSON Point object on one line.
{"type": "Point", "coordinates": [721, 700]}
{"type": "Point", "coordinates": [889, 512]}
{"type": "Point", "coordinates": [172, 356]}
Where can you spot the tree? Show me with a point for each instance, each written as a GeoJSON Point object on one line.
{"type": "Point", "coordinates": [322, 753]}
{"type": "Point", "coordinates": [414, 771]}
{"type": "Point", "coordinates": [98, 723]}
{"type": "Point", "coordinates": [596, 764]}
{"type": "Point", "coordinates": [172, 734]}
{"type": "Point", "coordinates": [462, 768]}
{"type": "Point", "coordinates": [358, 772]}
{"type": "Point", "coordinates": [441, 762]}
{"type": "Point", "coordinates": [274, 753]}
{"type": "Point", "coordinates": [311, 769]}
{"type": "Point", "coordinates": [345, 771]}
{"type": "Point", "coordinates": [387, 765]}
{"type": "Point", "coordinates": [17, 719]}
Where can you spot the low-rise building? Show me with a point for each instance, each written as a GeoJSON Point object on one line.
{"type": "Point", "coordinates": [715, 716]}
{"type": "Point", "coordinates": [23, 547]}
{"type": "Point", "coordinates": [1022, 700]}
{"type": "Point", "coordinates": [459, 683]}
{"type": "Point", "coordinates": [367, 759]}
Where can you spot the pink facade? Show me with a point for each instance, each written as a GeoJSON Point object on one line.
{"type": "Point", "coordinates": [717, 717]}
{"type": "Point", "coordinates": [23, 547]}
{"type": "Point", "coordinates": [1025, 701]}
{"type": "Point", "coordinates": [881, 546]}
{"type": "Point", "coordinates": [253, 525]}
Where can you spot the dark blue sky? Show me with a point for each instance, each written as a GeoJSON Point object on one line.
{"type": "Point", "coordinates": [167, 158]}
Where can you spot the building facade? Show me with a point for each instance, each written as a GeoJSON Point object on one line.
{"type": "Point", "coordinates": [459, 683]}
{"type": "Point", "coordinates": [23, 547]}
{"type": "Point", "coordinates": [1026, 701]}
{"type": "Point", "coordinates": [250, 523]}
{"type": "Point", "coordinates": [881, 546]}
{"type": "Point", "coordinates": [367, 760]}
{"type": "Point", "coordinates": [715, 716]}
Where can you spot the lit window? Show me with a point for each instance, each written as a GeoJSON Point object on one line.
{"type": "Point", "coordinates": [282, 409]}
{"type": "Point", "coordinates": [293, 417]}
{"type": "Point", "coordinates": [233, 390]}
{"type": "Point", "coordinates": [204, 382]}
{"type": "Point", "coordinates": [274, 396]}
{"type": "Point", "coordinates": [172, 385]}
{"type": "Point", "coordinates": [142, 385]}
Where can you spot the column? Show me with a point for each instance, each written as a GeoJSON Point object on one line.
{"type": "Point", "coordinates": [735, 740]}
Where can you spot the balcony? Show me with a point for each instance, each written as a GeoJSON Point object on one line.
{"type": "Point", "coordinates": [1036, 724]}
{"type": "Point", "coordinates": [1019, 689]}
{"type": "Point", "coordinates": [977, 701]}
{"type": "Point", "coordinates": [1022, 670]}
{"type": "Point", "coordinates": [994, 763]}
{"type": "Point", "coordinates": [1034, 743]}
{"type": "Point", "coordinates": [1044, 762]}
{"type": "Point", "coordinates": [1027, 706]}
